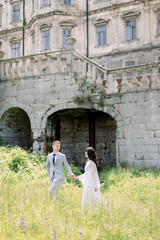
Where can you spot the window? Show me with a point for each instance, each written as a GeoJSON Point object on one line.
{"type": "Point", "coordinates": [15, 50]}
{"type": "Point", "coordinates": [45, 2]}
{"type": "Point", "coordinates": [101, 35]}
{"type": "Point", "coordinates": [66, 33]}
{"type": "Point", "coordinates": [33, 43]}
{"type": "Point", "coordinates": [67, 2]}
{"type": "Point", "coordinates": [131, 29]}
{"type": "Point", "coordinates": [32, 6]}
{"type": "Point", "coordinates": [102, 75]}
{"type": "Point", "coordinates": [129, 64]}
{"type": "Point", "coordinates": [45, 40]}
{"type": "Point", "coordinates": [159, 23]}
{"type": "Point", "coordinates": [16, 13]}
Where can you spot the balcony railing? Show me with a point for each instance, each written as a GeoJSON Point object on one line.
{"type": "Point", "coordinates": [128, 79]}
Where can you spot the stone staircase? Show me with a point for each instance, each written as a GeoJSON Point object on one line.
{"type": "Point", "coordinates": [87, 73]}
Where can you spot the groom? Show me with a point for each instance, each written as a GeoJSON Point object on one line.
{"type": "Point", "coordinates": [56, 162]}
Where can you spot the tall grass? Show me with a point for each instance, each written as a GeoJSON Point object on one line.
{"type": "Point", "coordinates": [131, 203]}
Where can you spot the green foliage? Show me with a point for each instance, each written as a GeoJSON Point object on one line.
{"type": "Point", "coordinates": [100, 102]}
{"type": "Point", "coordinates": [123, 164]}
{"type": "Point", "coordinates": [18, 158]}
{"type": "Point", "coordinates": [131, 202]}
{"type": "Point", "coordinates": [82, 99]}
{"type": "Point", "coordinates": [76, 172]}
{"type": "Point", "coordinates": [78, 100]}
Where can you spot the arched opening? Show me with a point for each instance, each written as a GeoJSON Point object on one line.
{"type": "Point", "coordinates": [15, 128]}
{"type": "Point", "coordinates": [80, 128]}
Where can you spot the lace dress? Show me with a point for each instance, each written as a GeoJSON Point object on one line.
{"type": "Point", "coordinates": [90, 180]}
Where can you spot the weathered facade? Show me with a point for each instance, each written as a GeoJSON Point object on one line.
{"type": "Point", "coordinates": [49, 89]}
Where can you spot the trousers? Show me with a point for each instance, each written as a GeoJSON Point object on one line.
{"type": "Point", "coordinates": [54, 187]}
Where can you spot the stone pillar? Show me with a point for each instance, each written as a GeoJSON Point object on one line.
{"type": "Point", "coordinates": [38, 140]}
{"type": "Point", "coordinates": [70, 42]}
{"type": "Point", "coordinates": [111, 86]}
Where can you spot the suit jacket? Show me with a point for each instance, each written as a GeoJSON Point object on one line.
{"type": "Point", "coordinates": [56, 172]}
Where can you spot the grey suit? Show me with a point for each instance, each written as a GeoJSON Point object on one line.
{"type": "Point", "coordinates": [56, 171]}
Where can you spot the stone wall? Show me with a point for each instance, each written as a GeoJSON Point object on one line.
{"type": "Point", "coordinates": [113, 14]}
{"type": "Point", "coordinates": [130, 111]}
{"type": "Point", "coordinates": [105, 139]}
{"type": "Point", "coordinates": [138, 140]}
{"type": "Point", "coordinates": [15, 128]}
{"type": "Point", "coordinates": [74, 135]}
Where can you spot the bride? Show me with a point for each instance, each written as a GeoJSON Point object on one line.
{"type": "Point", "coordinates": [91, 185]}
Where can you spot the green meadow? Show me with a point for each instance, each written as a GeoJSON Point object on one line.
{"type": "Point", "coordinates": [131, 203]}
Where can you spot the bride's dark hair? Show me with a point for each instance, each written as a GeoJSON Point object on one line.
{"type": "Point", "coordinates": [92, 154]}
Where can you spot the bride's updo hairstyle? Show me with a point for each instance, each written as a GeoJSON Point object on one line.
{"type": "Point", "coordinates": [91, 152]}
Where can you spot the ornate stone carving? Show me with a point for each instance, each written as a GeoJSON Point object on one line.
{"type": "Point", "coordinates": [43, 26]}
{"type": "Point", "coordinates": [67, 24]}
{"type": "Point", "coordinates": [130, 15]}
{"type": "Point", "coordinates": [15, 1]}
{"type": "Point", "coordinates": [101, 21]}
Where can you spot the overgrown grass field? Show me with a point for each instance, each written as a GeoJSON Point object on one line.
{"type": "Point", "coordinates": [131, 203]}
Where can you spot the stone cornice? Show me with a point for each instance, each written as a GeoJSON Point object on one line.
{"type": "Point", "coordinates": [34, 18]}
{"type": "Point", "coordinates": [15, 39]}
{"type": "Point", "coordinates": [11, 30]}
{"type": "Point", "coordinates": [15, 1]}
{"type": "Point", "coordinates": [45, 26]}
{"type": "Point", "coordinates": [100, 21]}
{"type": "Point", "coordinates": [130, 14]}
{"type": "Point", "coordinates": [62, 13]}
{"type": "Point", "coordinates": [114, 52]}
{"type": "Point", "coordinates": [67, 23]}
{"type": "Point", "coordinates": [116, 6]}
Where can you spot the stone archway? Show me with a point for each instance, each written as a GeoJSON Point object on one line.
{"type": "Point", "coordinates": [80, 128]}
{"type": "Point", "coordinates": [15, 128]}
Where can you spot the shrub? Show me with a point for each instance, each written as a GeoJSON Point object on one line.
{"type": "Point", "coordinates": [18, 158]}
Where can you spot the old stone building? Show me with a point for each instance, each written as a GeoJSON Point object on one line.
{"type": "Point", "coordinates": [85, 72]}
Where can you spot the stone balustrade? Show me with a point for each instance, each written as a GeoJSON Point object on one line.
{"type": "Point", "coordinates": [89, 70]}
{"type": "Point", "coordinates": [33, 65]}
{"type": "Point", "coordinates": [127, 79]}
{"type": "Point", "coordinates": [136, 78]}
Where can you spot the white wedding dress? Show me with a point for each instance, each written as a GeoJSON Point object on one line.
{"type": "Point", "coordinates": [90, 180]}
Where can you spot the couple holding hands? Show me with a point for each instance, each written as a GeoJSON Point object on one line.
{"type": "Point", "coordinates": [56, 162]}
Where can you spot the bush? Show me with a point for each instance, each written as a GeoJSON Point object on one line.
{"type": "Point", "coordinates": [18, 158]}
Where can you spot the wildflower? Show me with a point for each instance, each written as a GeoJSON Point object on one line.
{"type": "Point", "coordinates": [23, 223]}
{"type": "Point", "coordinates": [55, 234]}
{"type": "Point", "coordinates": [46, 221]}
{"type": "Point", "coordinates": [81, 235]}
